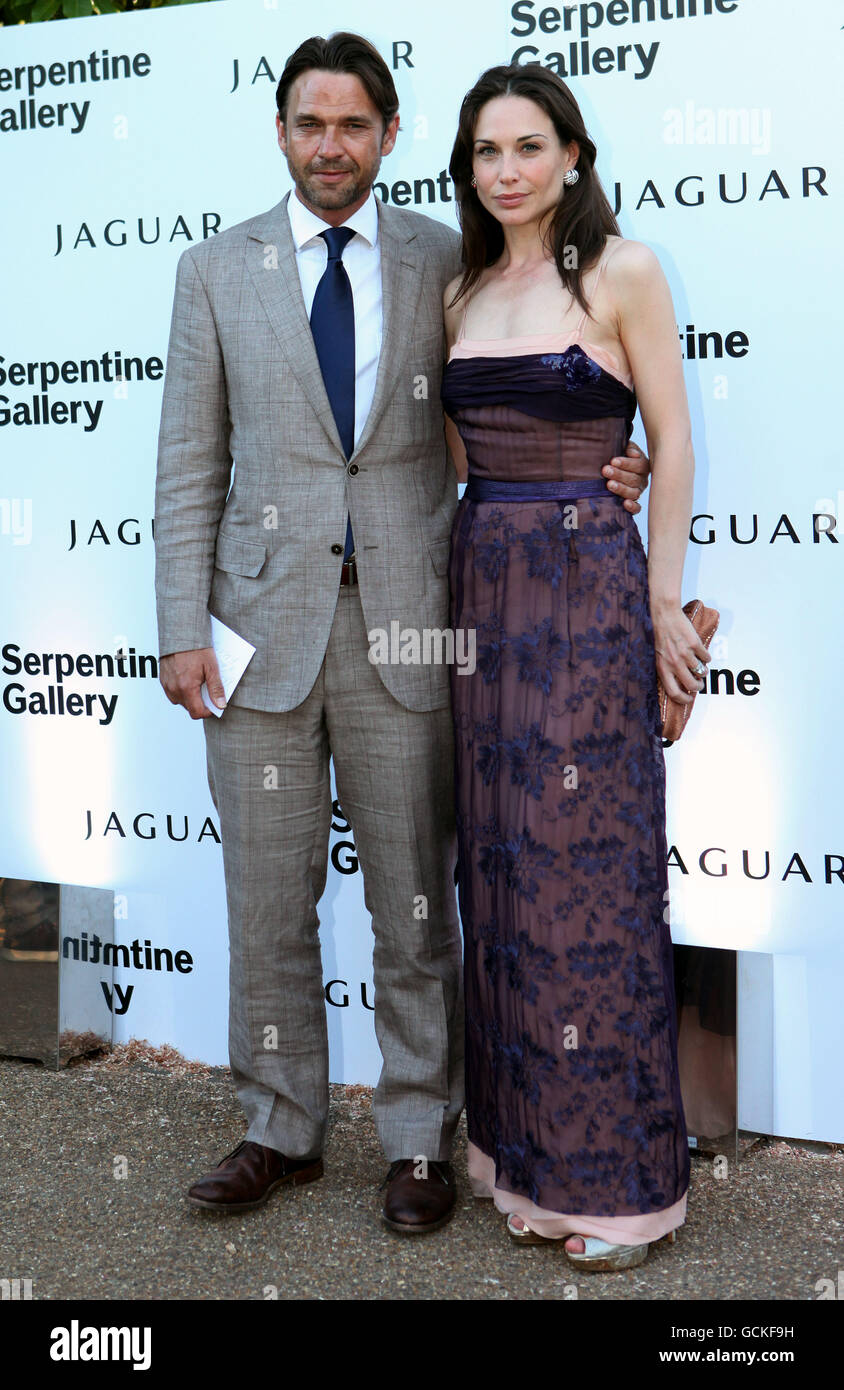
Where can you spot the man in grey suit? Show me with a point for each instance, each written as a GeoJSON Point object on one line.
{"type": "Point", "coordinates": [311, 357]}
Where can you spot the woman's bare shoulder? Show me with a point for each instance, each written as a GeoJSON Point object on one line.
{"type": "Point", "coordinates": [630, 262]}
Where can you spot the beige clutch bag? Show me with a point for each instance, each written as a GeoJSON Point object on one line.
{"type": "Point", "coordinates": [675, 716]}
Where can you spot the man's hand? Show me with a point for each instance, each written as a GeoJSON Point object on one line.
{"type": "Point", "coordinates": [628, 476]}
{"type": "Point", "coordinates": [182, 675]}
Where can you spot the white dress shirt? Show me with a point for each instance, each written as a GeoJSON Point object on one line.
{"type": "Point", "coordinates": [362, 259]}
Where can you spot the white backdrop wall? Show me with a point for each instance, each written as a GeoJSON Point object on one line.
{"type": "Point", "coordinates": [718, 132]}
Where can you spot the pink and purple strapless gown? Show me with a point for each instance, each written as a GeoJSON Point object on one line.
{"type": "Point", "coordinates": [573, 1098]}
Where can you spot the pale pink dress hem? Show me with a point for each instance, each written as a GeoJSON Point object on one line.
{"type": "Point", "coordinates": [618, 1230]}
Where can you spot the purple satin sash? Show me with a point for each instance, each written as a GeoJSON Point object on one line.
{"type": "Point", "coordinates": [497, 490]}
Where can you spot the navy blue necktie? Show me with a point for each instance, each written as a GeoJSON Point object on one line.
{"type": "Point", "coordinates": [333, 327]}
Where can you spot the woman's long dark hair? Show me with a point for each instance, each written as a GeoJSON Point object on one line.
{"type": "Point", "coordinates": [583, 217]}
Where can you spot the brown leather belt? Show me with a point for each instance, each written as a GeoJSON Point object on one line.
{"type": "Point", "coordinates": [349, 572]}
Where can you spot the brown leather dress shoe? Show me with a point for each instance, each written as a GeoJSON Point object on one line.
{"type": "Point", "coordinates": [245, 1178]}
{"type": "Point", "coordinates": [415, 1205]}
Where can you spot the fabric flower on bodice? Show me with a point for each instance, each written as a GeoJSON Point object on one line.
{"type": "Point", "coordinates": [576, 368]}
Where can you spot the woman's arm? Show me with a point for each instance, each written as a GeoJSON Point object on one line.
{"type": "Point", "coordinates": [647, 328]}
{"type": "Point", "coordinates": [451, 319]}
{"type": "Point", "coordinates": [457, 450]}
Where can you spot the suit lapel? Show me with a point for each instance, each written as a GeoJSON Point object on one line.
{"type": "Point", "coordinates": [401, 286]}
{"type": "Point", "coordinates": [275, 276]}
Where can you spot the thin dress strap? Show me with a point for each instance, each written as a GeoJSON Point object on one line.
{"type": "Point", "coordinates": [579, 329]}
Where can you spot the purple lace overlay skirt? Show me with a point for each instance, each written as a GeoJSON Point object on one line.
{"type": "Point", "coordinates": [573, 1096]}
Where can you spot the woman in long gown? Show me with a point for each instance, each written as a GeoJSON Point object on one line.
{"type": "Point", "coordinates": [557, 329]}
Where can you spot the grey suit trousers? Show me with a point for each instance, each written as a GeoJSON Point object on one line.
{"type": "Point", "coordinates": [268, 774]}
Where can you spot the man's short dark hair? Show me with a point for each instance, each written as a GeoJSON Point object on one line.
{"type": "Point", "coordinates": [342, 52]}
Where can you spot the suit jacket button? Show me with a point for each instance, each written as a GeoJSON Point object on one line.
{"type": "Point", "coordinates": [336, 550]}
{"type": "Point", "coordinates": [353, 469]}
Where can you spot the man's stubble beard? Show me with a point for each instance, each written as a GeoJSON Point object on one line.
{"type": "Point", "coordinates": [330, 199]}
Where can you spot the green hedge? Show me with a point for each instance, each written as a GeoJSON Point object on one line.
{"type": "Point", "coordinates": [29, 11]}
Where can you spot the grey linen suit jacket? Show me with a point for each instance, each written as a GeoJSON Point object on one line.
{"type": "Point", "coordinates": [243, 385]}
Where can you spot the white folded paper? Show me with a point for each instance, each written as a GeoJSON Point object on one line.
{"type": "Point", "coordinates": [233, 654]}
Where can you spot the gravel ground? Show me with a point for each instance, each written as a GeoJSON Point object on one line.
{"type": "Point", "coordinates": [770, 1230]}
